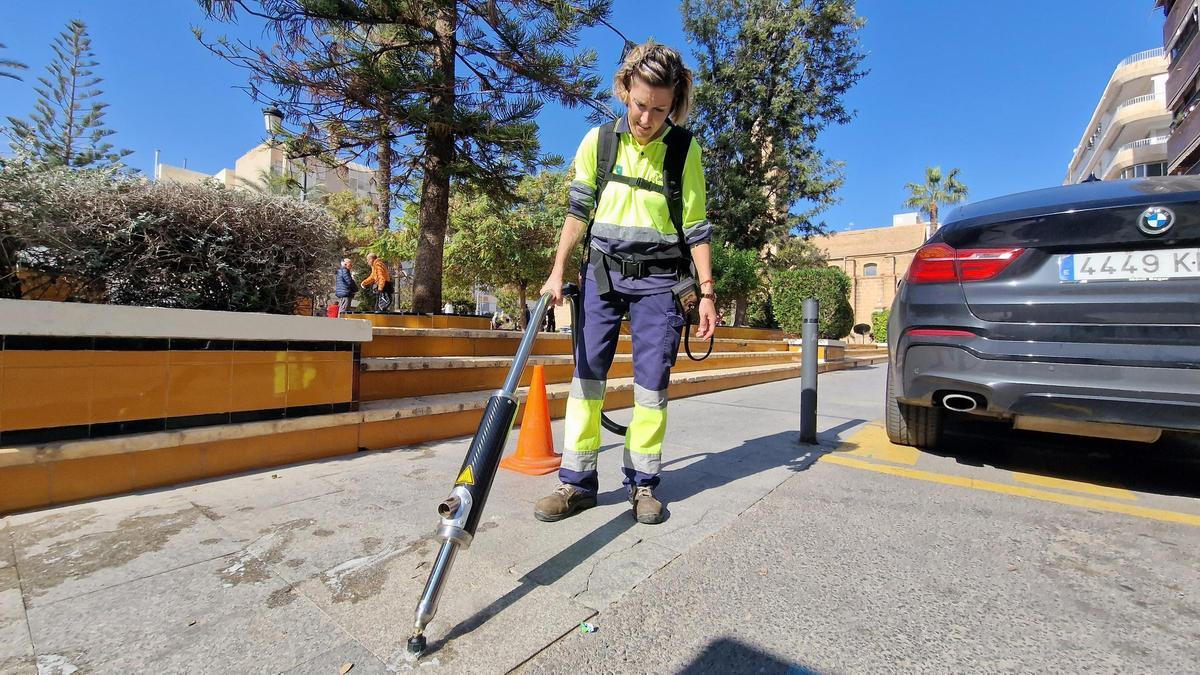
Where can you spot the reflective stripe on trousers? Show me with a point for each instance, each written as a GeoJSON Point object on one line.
{"type": "Point", "coordinates": [654, 327]}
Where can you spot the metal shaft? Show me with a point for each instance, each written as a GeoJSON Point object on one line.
{"type": "Point", "coordinates": [518, 365]}
{"type": "Point", "coordinates": [433, 587]}
{"type": "Point", "coordinates": [808, 373]}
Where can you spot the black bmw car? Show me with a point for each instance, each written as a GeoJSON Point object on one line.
{"type": "Point", "coordinates": [1073, 309]}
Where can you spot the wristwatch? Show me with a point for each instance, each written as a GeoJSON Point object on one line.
{"type": "Point", "coordinates": [710, 296]}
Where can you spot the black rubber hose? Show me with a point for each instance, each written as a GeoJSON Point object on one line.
{"type": "Point", "coordinates": [571, 292]}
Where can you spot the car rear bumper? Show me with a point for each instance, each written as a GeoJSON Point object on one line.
{"type": "Point", "coordinates": [1166, 398]}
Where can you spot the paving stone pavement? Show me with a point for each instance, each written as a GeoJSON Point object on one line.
{"type": "Point", "coordinates": [310, 567]}
{"type": "Point", "coordinates": [850, 556]}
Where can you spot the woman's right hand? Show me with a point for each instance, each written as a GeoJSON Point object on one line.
{"type": "Point", "coordinates": [553, 286]}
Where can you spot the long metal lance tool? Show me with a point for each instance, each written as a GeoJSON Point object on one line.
{"type": "Point", "coordinates": [461, 511]}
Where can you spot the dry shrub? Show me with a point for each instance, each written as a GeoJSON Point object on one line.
{"type": "Point", "coordinates": [127, 241]}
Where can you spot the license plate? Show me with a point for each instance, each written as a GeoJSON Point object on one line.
{"type": "Point", "coordinates": [1175, 263]}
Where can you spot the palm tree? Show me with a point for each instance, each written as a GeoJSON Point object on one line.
{"type": "Point", "coordinates": [7, 64]}
{"type": "Point", "coordinates": [936, 189]}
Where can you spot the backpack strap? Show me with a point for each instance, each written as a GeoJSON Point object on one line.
{"type": "Point", "coordinates": [606, 158]}
{"type": "Point", "coordinates": [678, 141]}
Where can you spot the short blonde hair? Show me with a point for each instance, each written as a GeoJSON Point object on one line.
{"type": "Point", "coordinates": [658, 66]}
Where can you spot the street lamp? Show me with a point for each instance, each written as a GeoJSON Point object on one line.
{"type": "Point", "coordinates": [273, 121]}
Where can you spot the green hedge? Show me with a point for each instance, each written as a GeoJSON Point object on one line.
{"type": "Point", "coordinates": [829, 285]}
{"type": "Point", "coordinates": [759, 313]}
{"type": "Point", "coordinates": [879, 323]}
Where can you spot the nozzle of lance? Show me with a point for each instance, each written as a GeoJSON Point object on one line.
{"type": "Point", "coordinates": [416, 644]}
{"type": "Point", "coordinates": [449, 507]}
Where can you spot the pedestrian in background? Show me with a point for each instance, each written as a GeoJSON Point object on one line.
{"type": "Point", "coordinates": [382, 280]}
{"type": "Point", "coordinates": [344, 287]}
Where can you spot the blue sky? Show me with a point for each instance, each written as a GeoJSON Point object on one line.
{"type": "Point", "coordinates": [1001, 90]}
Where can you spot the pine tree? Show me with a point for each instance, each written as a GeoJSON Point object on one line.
{"type": "Point", "coordinates": [67, 125]}
{"type": "Point", "coordinates": [449, 89]}
{"type": "Point", "coordinates": [772, 74]}
{"type": "Point", "coordinates": [8, 67]}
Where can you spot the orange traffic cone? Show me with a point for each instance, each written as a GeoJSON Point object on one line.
{"type": "Point", "coordinates": [535, 447]}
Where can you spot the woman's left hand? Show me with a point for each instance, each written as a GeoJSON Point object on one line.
{"type": "Point", "coordinates": [708, 319]}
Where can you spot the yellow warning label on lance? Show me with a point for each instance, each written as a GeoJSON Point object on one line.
{"type": "Point", "coordinates": [466, 477]}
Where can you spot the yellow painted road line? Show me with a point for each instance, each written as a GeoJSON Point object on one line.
{"type": "Point", "coordinates": [1018, 491]}
{"type": "Point", "coordinates": [873, 443]}
{"type": "Point", "coordinates": [1073, 486]}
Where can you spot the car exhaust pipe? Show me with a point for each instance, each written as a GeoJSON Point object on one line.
{"type": "Point", "coordinates": [960, 402]}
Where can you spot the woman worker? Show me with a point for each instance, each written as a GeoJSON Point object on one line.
{"type": "Point", "coordinates": [634, 258]}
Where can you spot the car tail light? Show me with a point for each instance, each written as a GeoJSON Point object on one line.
{"type": "Point", "coordinates": [940, 263]}
{"type": "Point", "coordinates": [933, 264]}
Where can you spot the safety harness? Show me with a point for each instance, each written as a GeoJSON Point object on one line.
{"type": "Point", "coordinates": [678, 141]}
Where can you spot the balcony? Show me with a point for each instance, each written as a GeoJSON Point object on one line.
{"type": "Point", "coordinates": [1135, 100]}
{"type": "Point", "coordinates": [1139, 109]}
{"type": "Point", "coordinates": [1129, 154]}
{"type": "Point", "coordinates": [1141, 56]}
{"type": "Point", "coordinates": [1179, 13]}
{"type": "Point", "coordinates": [1182, 72]}
{"type": "Point", "coordinates": [1183, 141]}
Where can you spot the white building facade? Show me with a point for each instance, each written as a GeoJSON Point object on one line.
{"type": "Point", "coordinates": [1126, 136]}
{"type": "Point", "coordinates": [264, 160]}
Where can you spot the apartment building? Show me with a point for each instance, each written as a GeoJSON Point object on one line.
{"type": "Point", "coordinates": [1183, 90]}
{"type": "Point", "coordinates": [1127, 134]}
{"type": "Point", "coordinates": [253, 168]}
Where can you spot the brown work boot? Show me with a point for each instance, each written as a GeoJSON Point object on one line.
{"type": "Point", "coordinates": [563, 502]}
{"type": "Point", "coordinates": [646, 508]}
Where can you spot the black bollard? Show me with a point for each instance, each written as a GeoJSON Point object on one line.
{"type": "Point", "coordinates": [808, 373]}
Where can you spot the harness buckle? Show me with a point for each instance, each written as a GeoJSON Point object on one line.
{"type": "Point", "coordinates": [634, 269]}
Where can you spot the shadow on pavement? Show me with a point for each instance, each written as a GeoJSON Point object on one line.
{"type": "Point", "coordinates": [1169, 467]}
{"type": "Point", "coordinates": [714, 470]}
{"type": "Point", "coordinates": [749, 458]}
{"type": "Point", "coordinates": [543, 575]}
{"type": "Point", "coordinates": [726, 655]}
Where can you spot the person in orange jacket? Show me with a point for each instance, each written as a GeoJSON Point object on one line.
{"type": "Point", "coordinates": [382, 280]}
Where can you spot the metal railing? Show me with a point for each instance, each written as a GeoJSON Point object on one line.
{"type": "Point", "coordinates": [1140, 143]}
{"type": "Point", "coordinates": [1141, 56]}
{"type": "Point", "coordinates": [1138, 99]}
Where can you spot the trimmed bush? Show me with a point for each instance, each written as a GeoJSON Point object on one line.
{"type": "Point", "coordinates": [126, 241]}
{"type": "Point", "coordinates": [829, 285]}
{"type": "Point", "coordinates": [879, 322]}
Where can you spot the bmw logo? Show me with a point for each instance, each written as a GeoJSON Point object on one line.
{"type": "Point", "coordinates": [1156, 220]}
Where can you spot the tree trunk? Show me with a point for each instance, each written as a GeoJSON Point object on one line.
{"type": "Point", "coordinates": [383, 176]}
{"type": "Point", "coordinates": [10, 283]}
{"type": "Point", "coordinates": [933, 217]}
{"type": "Point", "coordinates": [739, 311]}
{"type": "Point", "coordinates": [523, 301]}
{"type": "Point", "coordinates": [439, 153]}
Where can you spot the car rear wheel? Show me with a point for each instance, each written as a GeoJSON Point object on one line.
{"type": "Point", "coordinates": [913, 425]}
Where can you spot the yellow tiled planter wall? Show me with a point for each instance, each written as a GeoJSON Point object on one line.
{"type": "Point", "coordinates": [57, 389]}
